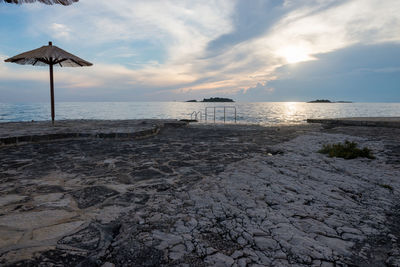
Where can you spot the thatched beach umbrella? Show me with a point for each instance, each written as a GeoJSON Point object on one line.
{"type": "Point", "coordinates": [52, 56]}
{"type": "Point", "coordinates": [47, 2]}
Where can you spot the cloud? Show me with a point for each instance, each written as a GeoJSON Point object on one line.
{"type": "Point", "coordinates": [314, 30]}
{"type": "Point", "coordinates": [357, 21]}
{"type": "Point", "coordinates": [13, 72]}
{"type": "Point", "coordinates": [250, 19]}
{"type": "Point", "coordinates": [358, 73]}
{"type": "Point", "coordinates": [263, 88]}
{"type": "Point", "coordinates": [202, 47]}
{"type": "Point", "coordinates": [60, 31]}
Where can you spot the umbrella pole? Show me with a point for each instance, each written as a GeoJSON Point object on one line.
{"type": "Point", "coordinates": [52, 94]}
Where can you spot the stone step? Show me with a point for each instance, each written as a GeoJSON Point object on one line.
{"type": "Point", "coordinates": [27, 132]}
{"type": "Point", "coordinates": [390, 122]}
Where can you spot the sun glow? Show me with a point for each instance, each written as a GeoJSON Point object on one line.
{"type": "Point", "coordinates": [294, 54]}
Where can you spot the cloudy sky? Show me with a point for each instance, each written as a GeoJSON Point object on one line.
{"type": "Point", "coordinates": [166, 50]}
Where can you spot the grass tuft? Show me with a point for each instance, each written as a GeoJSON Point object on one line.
{"type": "Point", "coordinates": [348, 150]}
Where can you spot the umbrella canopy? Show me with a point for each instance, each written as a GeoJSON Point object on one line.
{"type": "Point", "coordinates": [47, 55]}
{"type": "Point", "coordinates": [52, 56]}
{"type": "Point", "coordinates": [47, 2]}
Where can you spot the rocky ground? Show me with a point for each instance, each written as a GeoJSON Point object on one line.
{"type": "Point", "coordinates": [202, 196]}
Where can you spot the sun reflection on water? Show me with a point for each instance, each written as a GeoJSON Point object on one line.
{"type": "Point", "coordinates": [292, 112]}
{"type": "Point", "coordinates": [266, 113]}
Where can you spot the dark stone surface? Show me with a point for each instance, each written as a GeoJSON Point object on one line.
{"type": "Point", "coordinates": [87, 239]}
{"type": "Point", "coordinates": [50, 189]}
{"type": "Point", "coordinates": [146, 174]}
{"type": "Point", "coordinates": [166, 166]}
{"type": "Point", "coordinates": [22, 132]}
{"type": "Point", "coordinates": [389, 122]}
{"type": "Point", "coordinates": [53, 258]}
{"type": "Point", "coordinates": [393, 152]}
{"type": "Point", "coordinates": [91, 196]}
{"type": "Point", "coordinates": [378, 250]}
{"type": "Point", "coordinates": [129, 198]}
{"type": "Point", "coordinates": [89, 246]}
{"type": "Point", "coordinates": [132, 253]}
{"type": "Point", "coordinates": [182, 154]}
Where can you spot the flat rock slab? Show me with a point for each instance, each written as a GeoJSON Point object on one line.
{"type": "Point", "coordinates": [93, 195]}
{"type": "Point", "coordinates": [35, 219]}
{"type": "Point", "coordinates": [391, 122]}
{"type": "Point", "coordinates": [202, 195]}
{"type": "Point", "coordinates": [22, 132]}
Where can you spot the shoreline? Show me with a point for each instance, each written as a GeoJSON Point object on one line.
{"type": "Point", "coordinates": [201, 195]}
{"type": "Point", "coordinates": [389, 122]}
{"type": "Point", "coordinates": [12, 133]}
{"type": "Point", "coordinates": [25, 132]}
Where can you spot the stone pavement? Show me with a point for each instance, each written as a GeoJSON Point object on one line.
{"type": "Point", "coordinates": [25, 132]}
{"type": "Point", "coordinates": [391, 122]}
{"type": "Point", "coordinates": [202, 196]}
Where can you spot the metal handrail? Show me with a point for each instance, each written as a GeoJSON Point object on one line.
{"type": "Point", "coordinates": [191, 115]}
{"type": "Point", "coordinates": [196, 114]}
{"type": "Point", "coordinates": [220, 107]}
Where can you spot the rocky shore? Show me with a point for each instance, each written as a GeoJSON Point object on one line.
{"type": "Point", "coordinates": [199, 195]}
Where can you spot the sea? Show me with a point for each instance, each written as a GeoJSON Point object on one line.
{"type": "Point", "coordinates": [264, 113]}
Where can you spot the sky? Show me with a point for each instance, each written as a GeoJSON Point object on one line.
{"type": "Point", "coordinates": [177, 50]}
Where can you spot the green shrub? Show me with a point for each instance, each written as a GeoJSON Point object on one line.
{"type": "Point", "coordinates": [348, 150]}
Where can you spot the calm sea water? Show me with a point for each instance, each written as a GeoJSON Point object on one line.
{"type": "Point", "coordinates": [263, 113]}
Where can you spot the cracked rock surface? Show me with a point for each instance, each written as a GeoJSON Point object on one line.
{"type": "Point", "coordinates": [202, 196]}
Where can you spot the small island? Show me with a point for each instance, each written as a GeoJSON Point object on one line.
{"type": "Point", "coordinates": [327, 101]}
{"type": "Point", "coordinates": [213, 99]}
{"type": "Point", "coordinates": [320, 101]}
{"type": "Point", "coordinates": [217, 99]}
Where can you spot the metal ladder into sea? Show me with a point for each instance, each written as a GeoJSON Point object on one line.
{"type": "Point", "coordinates": [198, 115]}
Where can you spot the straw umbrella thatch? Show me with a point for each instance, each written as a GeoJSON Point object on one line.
{"type": "Point", "coordinates": [52, 56]}
{"type": "Point", "coordinates": [47, 2]}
